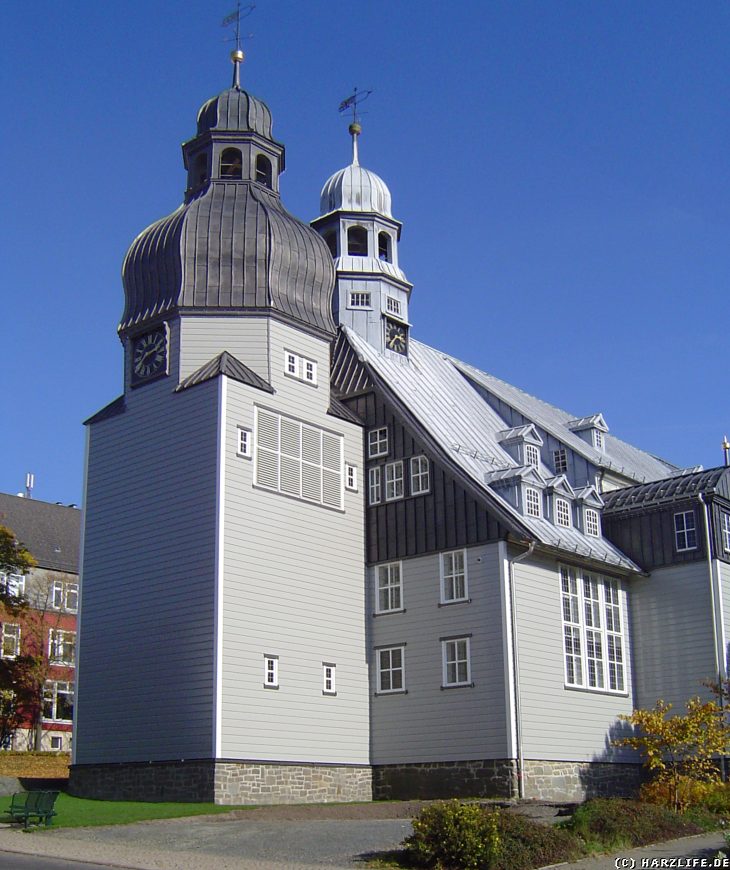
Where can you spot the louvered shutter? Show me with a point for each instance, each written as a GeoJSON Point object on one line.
{"type": "Point", "coordinates": [267, 450]}
{"type": "Point", "coordinates": [332, 470]}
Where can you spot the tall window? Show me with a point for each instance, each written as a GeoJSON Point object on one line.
{"type": "Point", "coordinates": [351, 477]}
{"type": "Point", "coordinates": [271, 672]}
{"type": "Point", "coordinates": [384, 248]}
{"type": "Point", "coordinates": [10, 640]}
{"type": "Point", "coordinates": [329, 684]}
{"type": "Point", "coordinates": [58, 701]}
{"type": "Point", "coordinates": [560, 460]}
{"type": "Point", "coordinates": [65, 596]}
{"type": "Point", "coordinates": [420, 482]}
{"type": "Point", "coordinates": [592, 631]}
{"type": "Point", "coordinates": [357, 242]}
{"type": "Point", "coordinates": [389, 594]}
{"type": "Point", "coordinates": [562, 512]}
{"type": "Point", "coordinates": [592, 523]}
{"type": "Point", "coordinates": [201, 169]}
{"type": "Point", "coordinates": [598, 439]}
{"type": "Point", "coordinates": [330, 238]}
{"type": "Point", "coordinates": [455, 661]}
{"type": "Point", "coordinates": [373, 485]}
{"type": "Point", "coordinates": [533, 501]}
{"type": "Point", "coordinates": [231, 164]}
{"type": "Point", "coordinates": [263, 170]}
{"type": "Point", "coordinates": [726, 532]}
{"type": "Point", "coordinates": [532, 455]}
{"type": "Point", "coordinates": [61, 647]}
{"type": "Point", "coordinates": [378, 442]}
{"type": "Point", "coordinates": [393, 480]}
{"type": "Point", "coordinates": [298, 460]}
{"type": "Point", "coordinates": [685, 531]}
{"type": "Point", "coordinates": [391, 669]}
{"type": "Point", "coordinates": [453, 576]}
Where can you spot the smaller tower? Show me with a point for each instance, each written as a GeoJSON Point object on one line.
{"type": "Point", "coordinates": [372, 292]}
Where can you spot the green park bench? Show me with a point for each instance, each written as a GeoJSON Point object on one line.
{"type": "Point", "coordinates": [27, 805]}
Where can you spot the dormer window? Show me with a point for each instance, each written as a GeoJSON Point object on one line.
{"type": "Point", "coordinates": [533, 502]}
{"type": "Point", "coordinates": [263, 171]}
{"type": "Point", "coordinates": [592, 523]}
{"type": "Point", "coordinates": [384, 248]}
{"type": "Point", "coordinates": [532, 455]}
{"type": "Point", "coordinates": [357, 242]}
{"type": "Point", "coordinates": [598, 439]}
{"type": "Point", "coordinates": [232, 164]}
{"type": "Point", "coordinates": [562, 513]}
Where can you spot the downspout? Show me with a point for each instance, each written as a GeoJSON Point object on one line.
{"type": "Point", "coordinates": [516, 668]}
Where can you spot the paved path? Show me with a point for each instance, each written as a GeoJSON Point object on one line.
{"type": "Point", "coordinates": [701, 846]}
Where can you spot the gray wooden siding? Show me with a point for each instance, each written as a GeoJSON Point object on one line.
{"type": "Point", "coordinates": [444, 518]}
{"type": "Point", "coordinates": [429, 723]}
{"type": "Point", "coordinates": [146, 639]}
{"type": "Point", "coordinates": [293, 587]}
{"type": "Point", "coordinates": [672, 618]}
{"type": "Point", "coordinates": [649, 539]}
{"type": "Point", "coordinates": [724, 579]}
{"type": "Point", "coordinates": [203, 338]}
{"type": "Point", "coordinates": [559, 723]}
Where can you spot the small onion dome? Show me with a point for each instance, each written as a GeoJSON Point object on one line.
{"type": "Point", "coordinates": [234, 248]}
{"type": "Point", "coordinates": [234, 109]}
{"type": "Point", "coordinates": [355, 189]}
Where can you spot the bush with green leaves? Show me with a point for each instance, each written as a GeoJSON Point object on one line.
{"type": "Point", "coordinates": [618, 823]}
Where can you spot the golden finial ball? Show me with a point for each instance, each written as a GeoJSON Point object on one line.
{"type": "Point", "coordinates": [355, 129]}
{"type": "Point", "coordinates": [237, 56]}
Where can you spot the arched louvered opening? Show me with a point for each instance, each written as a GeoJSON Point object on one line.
{"type": "Point", "coordinates": [385, 247]}
{"type": "Point", "coordinates": [231, 164]}
{"type": "Point", "coordinates": [357, 242]}
{"type": "Point", "coordinates": [263, 171]}
{"type": "Point", "coordinates": [330, 238]}
{"type": "Point", "coordinates": [200, 175]}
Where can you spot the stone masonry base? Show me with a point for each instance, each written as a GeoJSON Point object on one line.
{"type": "Point", "coordinates": [577, 781]}
{"type": "Point", "coordinates": [222, 782]}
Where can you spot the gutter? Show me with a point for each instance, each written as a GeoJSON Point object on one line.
{"type": "Point", "coordinates": [715, 599]}
{"type": "Point", "coordinates": [516, 667]}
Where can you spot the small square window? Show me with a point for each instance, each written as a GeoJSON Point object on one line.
{"type": "Point", "coordinates": [420, 482]}
{"type": "Point", "coordinates": [456, 664]}
{"type": "Point", "coordinates": [329, 685]}
{"type": "Point", "coordinates": [532, 455]}
{"type": "Point", "coordinates": [56, 744]}
{"type": "Point", "coordinates": [351, 477]}
{"type": "Point", "coordinates": [271, 672]}
{"type": "Point", "coordinates": [391, 669]}
{"type": "Point", "coordinates": [562, 512]}
{"type": "Point", "coordinates": [393, 481]}
{"type": "Point", "coordinates": [560, 460]}
{"type": "Point", "coordinates": [393, 306]}
{"type": "Point", "coordinates": [532, 502]}
{"type": "Point", "coordinates": [378, 442]}
{"type": "Point", "coordinates": [389, 592]}
{"type": "Point", "coordinates": [373, 485]}
{"type": "Point", "coordinates": [685, 531]}
{"type": "Point", "coordinates": [245, 443]}
{"type": "Point", "coordinates": [453, 577]}
{"type": "Point", "coordinates": [593, 526]}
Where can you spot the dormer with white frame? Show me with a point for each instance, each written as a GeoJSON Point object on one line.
{"type": "Point", "coordinates": [589, 504]}
{"type": "Point", "coordinates": [523, 443]}
{"type": "Point", "coordinates": [523, 487]}
{"type": "Point", "coordinates": [560, 501]}
{"type": "Point", "coordinates": [591, 429]}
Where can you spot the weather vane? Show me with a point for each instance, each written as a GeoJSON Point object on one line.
{"type": "Point", "coordinates": [353, 101]}
{"type": "Point", "coordinates": [237, 55]}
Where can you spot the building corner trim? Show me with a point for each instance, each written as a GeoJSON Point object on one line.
{"type": "Point", "coordinates": [219, 566]}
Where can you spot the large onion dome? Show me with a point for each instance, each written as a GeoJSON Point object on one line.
{"type": "Point", "coordinates": [232, 246]}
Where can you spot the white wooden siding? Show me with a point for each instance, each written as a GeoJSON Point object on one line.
{"type": "Point", "coordinates": [203, 338]}
{"type": "Point", "coordinates": [429, 723]}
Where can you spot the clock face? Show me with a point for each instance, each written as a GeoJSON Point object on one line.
{"type": "Point", "coordinates": [149, 355]}
{"type": "Point", "coordinates": [396, 337]}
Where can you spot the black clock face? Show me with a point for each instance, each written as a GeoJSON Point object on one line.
{"type": "Point", "coordinates": [396, 337]}
{"type": "Point", "coordinates": [149, 355]}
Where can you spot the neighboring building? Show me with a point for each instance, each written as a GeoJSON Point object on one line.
{"type": "Point", "coordinates": [51, 533]}
{"type": "Point", "coordinates": [323, 560]}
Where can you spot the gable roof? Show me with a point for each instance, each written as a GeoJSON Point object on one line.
{"type": "Point", "coordinates": [677, 488]}
{"type": "Point", "coordinates": [444, 404]}
{"type": "Point", "coordinates": [225, 364]}
{"type": "Point", "coordinates": [50, 532]}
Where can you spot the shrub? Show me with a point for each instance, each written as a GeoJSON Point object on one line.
{"type": "Point", "coordinates": [682, 793]}
{"type": "Point", "coordinates": [615, 822]}
{"type": "Point", "coordinates": [456, 835]}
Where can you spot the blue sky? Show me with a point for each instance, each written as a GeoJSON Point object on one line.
{"type": "Point", "coordinates": [560, 168]}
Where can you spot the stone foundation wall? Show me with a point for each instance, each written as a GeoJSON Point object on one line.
{"type": "Point", "coordinates": [576, 781]}
{"type": "Point", "coordinates": [222, 782]}
{"type": "Point", "coordinates": [445, 779]}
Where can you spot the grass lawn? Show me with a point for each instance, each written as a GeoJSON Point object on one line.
{"type": "Point", "coordinates": [76, 812]}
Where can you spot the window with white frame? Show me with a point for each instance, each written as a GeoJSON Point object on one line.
{"type": "Point", "coordinates": [56, 743]}
{"type": "Point", "coordinates": [685, 531]}
{"type": "Point", "coordinates": [393, 306]}
{"type": "Point", "coordinates": [562, 512]}
{"type": "Point", "coordinates": [244, 447]}
{"type": "Point", "coordinates": [593, 640]}
{"type": "Point", "coordinates": [300, 367]}
{"type": "Point", "coordinates": [391, 669]}
{"type": "Point", "coordinates": [10, 640]}
{"type": "Point", "coordinates": [533, 502]}
{"type": "Point", "coordinates": [453, 577]}
{"type": "Point", "coordinates": [598, 439]}
{"type": "Point", "coordinates": [360, 300]}
{"type": "Point", "coordinates": [560, 460]}
{"type": "Point", "coordinates": [61, 647]}
{"type": "Point", "coordinates": [726, 532]}
{"type": "Point", "coordinates": [378, 442]}
{"type": "Point", "coordinates": [271, 672]}
{"type": "Point", "coordinates": [299, 460]}
{"type": "Point", "coordinates": [592, 523]}
{"type": "Point", "coordinates": [65, 596]}
{"type": "Point", "coordinates": [394, 480]}
{"type": "Point", "coordinates": [351, 477]}
{"type": "Point", "coordinates": [455, 660]}
{"type": "Point", "coordinates": [373, 485]}
{"type": "Point", "coordinates": [389, 591]}
{"type": "Point", "coordinates": [532, 455]}
{"type": "Point", "coordinates": [420, 476]}
{"type": "Point", "coordinates": [329, 685]}
{"type": "Point", "coordinates": [58, 701]}
{"type": "Point", "coordinates": [12, 584]}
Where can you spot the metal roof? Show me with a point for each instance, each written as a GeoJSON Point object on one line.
{"type": "Point", "coordinates": [430, 385]}
{"type": "Point", "coordinates": [225, 364]}
{"type": "Point", "coordinates": [235, 110]}
{"type": "Point", "coordinates": [676, 488]}
{"type": "Point", "coordinates": [50, 532]}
